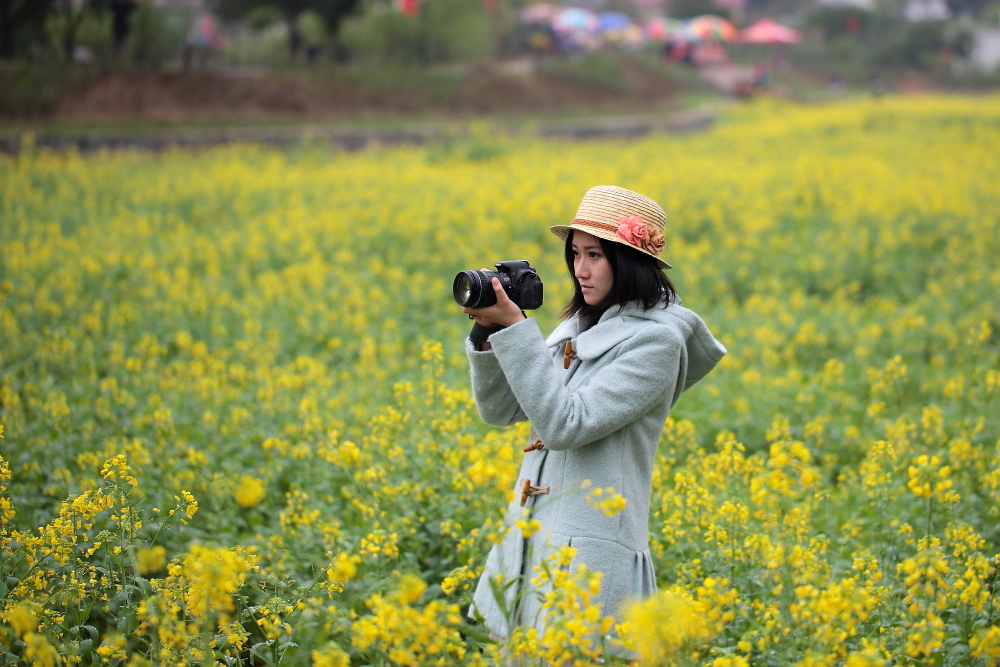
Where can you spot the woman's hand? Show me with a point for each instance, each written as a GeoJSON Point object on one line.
{"type": "Point", "coordinates": [505, 312]}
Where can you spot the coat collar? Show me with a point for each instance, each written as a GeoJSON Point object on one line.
{"type": "Point", "coordinates": [701, 350]}
{"type": "Point", "coordinates": [615, 326]}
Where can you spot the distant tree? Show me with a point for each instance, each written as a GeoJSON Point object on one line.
{"type": "Point", "coordinates": [333, 12]}
{"type": "Point", "coordinates": [837, 21]}
{"type": "Point", "coordinates": [685, 9]}
{"type": "Point", "coordinates": [974, 7]}
{"type": "Point", "coordinates": [72, 15]}
{"type": "Point", "coordinates": [289, 10]}
{"type": "Point", "coordinates": [21, 23]}
{"type": "Point", "coordinates": [121, 10]}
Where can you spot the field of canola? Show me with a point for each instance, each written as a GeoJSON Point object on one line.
{"type": "Point", "coordinates": [237, 428]}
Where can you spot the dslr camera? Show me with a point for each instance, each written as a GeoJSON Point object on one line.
{"type": "Point", "coordinates": [473, 289]}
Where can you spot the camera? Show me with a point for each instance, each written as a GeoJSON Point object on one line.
{"type": "Point", "coordinates": [473, 289]}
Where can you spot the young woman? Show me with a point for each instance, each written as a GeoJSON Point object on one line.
{"type": "Point", "coordinates": [597, 393]}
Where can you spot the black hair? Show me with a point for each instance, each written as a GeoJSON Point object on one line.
{"type": "Point", "coordinates": [637, 277]}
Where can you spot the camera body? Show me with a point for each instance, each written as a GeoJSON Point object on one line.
{"type": "Point", "coordinates": [520, 281]}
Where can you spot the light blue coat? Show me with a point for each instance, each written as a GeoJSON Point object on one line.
{"type": "Point", "coordinates": [600, 420]}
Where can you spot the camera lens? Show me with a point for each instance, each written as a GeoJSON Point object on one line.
{"type": "Point", "coordinates": [463, 290]}
{"type": "Point", "coordinates": [472, 289]}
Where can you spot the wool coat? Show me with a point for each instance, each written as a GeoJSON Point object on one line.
{"type": "Point", "coordinates": [599, 420]}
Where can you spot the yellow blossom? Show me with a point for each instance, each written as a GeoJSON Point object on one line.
{"type": "Point", "coordinates": [150, 560]}
{"type": "Point", "coordinates": [249, 491]}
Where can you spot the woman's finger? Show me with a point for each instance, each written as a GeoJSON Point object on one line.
{"type": "Point", "coordinates": [478, 314]}
{"type": "Point", "coordinates": [502, 298]}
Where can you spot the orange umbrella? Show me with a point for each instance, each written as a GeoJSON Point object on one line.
{"type": "Point", "coordinates": [766, 31]}
{"type": "Point", "coordinates": [710, 28]}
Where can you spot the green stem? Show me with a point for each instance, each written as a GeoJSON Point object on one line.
{"type": "Point", "coordinates": [163, 524]}
{"type": "Point", "coordinates": [930, 515]}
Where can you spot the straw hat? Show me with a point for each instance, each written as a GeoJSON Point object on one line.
{"type": "Point", "coordinates": [620, 215]}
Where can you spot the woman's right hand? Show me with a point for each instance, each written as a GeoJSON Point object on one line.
{"type": "Point", "coordinates": [504, 312]}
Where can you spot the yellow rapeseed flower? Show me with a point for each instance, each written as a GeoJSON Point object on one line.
{"type": "Point", "coordinates": [22, 618]}
{"type": "Point", "coordinates": [607, 500]}
{"type": "Point", "coordinates": [150, 560]}
{"type": "Point", "coordinates": [330, 655]}
{"type": "Point", "coordinates": [666, 627]}
{"type": "Point", "coordinates": [249, 491]}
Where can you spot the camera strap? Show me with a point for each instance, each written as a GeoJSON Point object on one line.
{"type": "Point", "coordinates": [480, 333]}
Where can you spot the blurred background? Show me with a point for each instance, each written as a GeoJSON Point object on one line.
{"type": "Point", "coordinates": [150, 63]}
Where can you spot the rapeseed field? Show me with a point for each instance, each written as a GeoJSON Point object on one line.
{"type": "Point", "coordinates": [237, 427]}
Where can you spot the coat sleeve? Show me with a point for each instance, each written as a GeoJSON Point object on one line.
{"type": "Point", "coordinates": [495, 401]}
{"type": "Point", "coordinates": [643, 372]}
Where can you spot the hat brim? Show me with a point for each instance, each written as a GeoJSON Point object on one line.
{"type": "Point", "coordinates": [562, 231]}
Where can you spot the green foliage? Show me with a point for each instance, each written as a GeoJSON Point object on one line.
{"type": "Point", "coordinates": [22, 27]}
{"type": "Point", "coordinates": [876, 42]}
{"type": "Point", "coordinates": [263, 17]}
{"type": "Point", "coordinates": [456, 30]}
{"type": "Point", "coordinates": [897, 44]}
{"type": "Point", "coordinates": [382, 34]}
{"type": "Point", "coordinates": [262, 12]}
{"type": "Point", "coordinates": [312, 28]}
{"type": "Point", "coordinates": [836, 21]}
{"type": "Point", "coordinates": [29, 90]}
{"type": "Point", "coordinates": [154, 38]}
{"type": "Point", "coordinates": [685, 9]}
{"type": "Point", "coordinates": [444, 31]}
{"type": "Point", "coordinates": [95, 34]}
{"type": "Point", "coordinates": [600, 70]}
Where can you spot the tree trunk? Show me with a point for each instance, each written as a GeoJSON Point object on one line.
{"type": "Point", "coordinates": [70, 24]}
{"type": "Point", "coordinates": [294, 39]}
{"type": "Point", "coordinates": [121, 10]}
{"type": "Point", "coordinates": [24, 18]}
{"type": "Point", "coordinates": [6, 29]}
{"type": "Point", "coordinates": [69, 39]}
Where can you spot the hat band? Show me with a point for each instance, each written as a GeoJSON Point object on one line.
{"type": "Point", "coordinates": [599, 225]}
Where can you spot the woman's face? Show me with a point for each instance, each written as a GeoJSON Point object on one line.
{"type": "Point", "coordinates": [591, 267]}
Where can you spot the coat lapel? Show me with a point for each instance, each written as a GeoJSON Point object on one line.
{"type": "Point", "coordinates": [613, 328]}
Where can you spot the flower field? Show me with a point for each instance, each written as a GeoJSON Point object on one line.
{"type": "Point", "coordinates": [237, 426]}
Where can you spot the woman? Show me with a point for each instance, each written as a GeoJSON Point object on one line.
{"type": "Point", "coordinates": [597, 393]}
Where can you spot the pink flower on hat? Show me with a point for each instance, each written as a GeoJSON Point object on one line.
{"type": "Point", "coordinates": [633, 230]}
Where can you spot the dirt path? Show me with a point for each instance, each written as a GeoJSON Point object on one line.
{"type": "Point", "coordinates": [354, 138]}
{"type": "Point", "coordinates": [728, 78]}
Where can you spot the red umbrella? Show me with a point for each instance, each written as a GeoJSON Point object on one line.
{"type": "Point", "coordinates": [766, 31]}
{"type": "Point", "coordinates": [663, 29]}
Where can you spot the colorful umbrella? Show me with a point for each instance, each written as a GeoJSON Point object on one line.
{"type": "Point", "coordinates": [612, 21]}
{"type": "Point", "coordinates": [766, 31]}
{"type": "Point", "coordinates": [542, 12]}
{"type": "Point", "coordinates": [663, 29]}
{"type": "Point", "coordinates": [710, 28]}
{"type": "Point", "coordinates": [574, 19]}
{"type": "Point", "coordinates": [629, 37]}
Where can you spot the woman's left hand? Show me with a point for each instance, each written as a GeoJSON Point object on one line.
{"type": "Point", "coordinates": [505, 312]}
